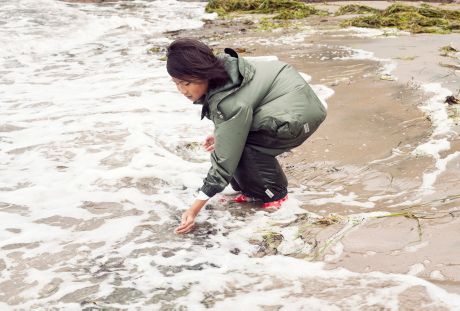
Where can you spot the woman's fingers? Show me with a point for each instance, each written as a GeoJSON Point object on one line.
{"type": "Point", "coordinates": [185, 228]}
{"type": "Point", "coordinates": [180, 229]}
{"type": "Point", "coordinates": [186, 225]}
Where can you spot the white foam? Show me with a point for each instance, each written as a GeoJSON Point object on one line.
{"type": "Point", "coordinates": [388, 65]}
{"type": "Point", "coordinates": [370, 32]}
{"type": "Point", "coordinates": [416, 269]}
{"type": "Point", "coordinates": [429, 178]}
{"type": "Point", "coordinates": [436, 109]}
{"type": "Point", "coordinates": [266, 58]}
{"type": "Point", "coordinates": [437, 275]}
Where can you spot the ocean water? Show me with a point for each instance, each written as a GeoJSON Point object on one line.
{"type": "Point", "coordinates": [98, 159]}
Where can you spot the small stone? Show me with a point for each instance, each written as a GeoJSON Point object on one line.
{"type": "Point", "coordinates": [50, 288]}
{"type": "Point", "coordinates": [452, 100]}
{"type": "Point", "coordinates": [235, 251]}
{"type": "Point", "coordinates": [167, 254]}
{"type": "Point", "coordinates": [13, 230]}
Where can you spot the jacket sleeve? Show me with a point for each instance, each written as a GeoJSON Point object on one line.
{"type": "Point", "coordinates": [230, 139]}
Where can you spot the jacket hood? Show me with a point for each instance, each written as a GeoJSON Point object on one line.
{"type": "Point", "coordinates": [239, 71]}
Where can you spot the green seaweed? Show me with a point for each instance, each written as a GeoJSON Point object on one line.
{"type": "Point", "coordinates": [450, 66]}
{"type": "Point", "coordinates": [423, 19]}
{"type": "Point", "coordinates": [405, 57]}
{"type": "Point", "coordinates": [454, 113]}
{"type": "Point", "coordinates": [154, 50]}
{"type": "Point", "coordinates": [253, 6]}
{"type": "Point", "coordinates": [285, 9]}
{"type": "Point", "coordinates": [270, 242]}
{"type": "Point", "coordinates": [306, 11]}
{"type": "Point", "coordinates": [328, 220]}
{"type": "Point", "coordinates": [272, 238]}
{"type": "Point", "coordinates": [269, 24]}
{"type": "Point", "coordinates": [448, 51]}
{"type": "Point", "coordinates": [355, 9]}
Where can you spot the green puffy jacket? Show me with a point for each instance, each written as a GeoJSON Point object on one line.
{"type": "Point", "coordinates": [265, 98]}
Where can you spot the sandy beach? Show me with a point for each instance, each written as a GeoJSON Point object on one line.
{"type": "Point", "coordinates": [100, 155]}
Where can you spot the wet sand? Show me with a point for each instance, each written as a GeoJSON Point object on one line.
{"type": "Point", "coordinates": [364, 150]}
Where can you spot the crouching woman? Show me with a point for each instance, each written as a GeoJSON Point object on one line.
{"type": "Point", "coordinates": [260, 109]}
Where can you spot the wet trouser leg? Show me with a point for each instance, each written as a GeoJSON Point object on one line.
{"type": "Point", "coordinates": [235, 185]}
{"type": "Point", "coordinates": [259, 175]}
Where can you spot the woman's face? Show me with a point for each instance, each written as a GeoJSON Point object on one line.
{"type": "Point", "coordinates": [193, 90]}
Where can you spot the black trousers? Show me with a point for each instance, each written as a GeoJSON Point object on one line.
{"type": "Point", "coordinates": [259, 175]}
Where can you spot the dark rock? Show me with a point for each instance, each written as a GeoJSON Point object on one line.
{"type": "Point", "coordinates": [452, 100]}
{"type": "Point", "coordinates": [235, 251]}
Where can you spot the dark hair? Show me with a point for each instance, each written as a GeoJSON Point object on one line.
{"type": "Point", "coordinates": [190, 60]}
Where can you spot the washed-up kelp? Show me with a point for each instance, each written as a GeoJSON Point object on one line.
{"type": "Point", "coordinates": [449, 51]}
{"type": "Point", "coordinates": [423, 19]}
{"type": "Point", "coordinates": [285, 9]}
{"type": "Point", "coordinates": [356, 9]}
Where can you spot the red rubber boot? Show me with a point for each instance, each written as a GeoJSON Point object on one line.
{"type": "Point", "coordinates": [243, 199]}
{"type": "Point", "coordinates": [275, 204]}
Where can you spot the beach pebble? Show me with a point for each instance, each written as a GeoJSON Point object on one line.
{"type": "Point", "coordinates": [437, 275]}
{"type": "Point", "coordinates": [50, 288]}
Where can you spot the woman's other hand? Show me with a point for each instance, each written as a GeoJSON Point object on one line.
{"type": "Point", "coordinates": [209, 143]}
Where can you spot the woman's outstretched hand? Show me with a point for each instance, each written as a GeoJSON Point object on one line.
{"type": "Point", "coordinates": [187, 222]}
{"type": "Point", "coordinates": [209, 143]}
{"type": "Point", "coordinates": [188, 217]}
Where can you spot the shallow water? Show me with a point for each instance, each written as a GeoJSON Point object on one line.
{"type": "Point", "coordinates": [98, 159]}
